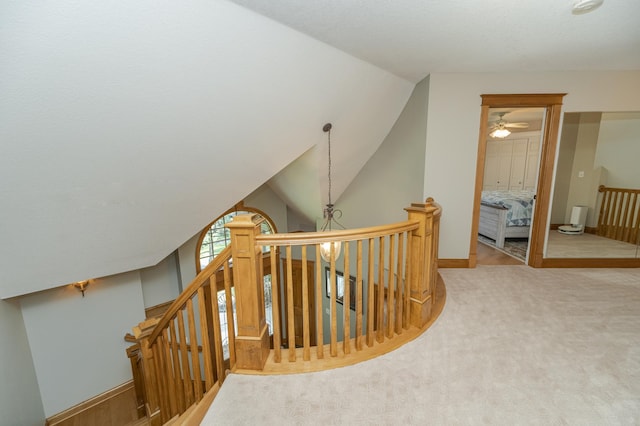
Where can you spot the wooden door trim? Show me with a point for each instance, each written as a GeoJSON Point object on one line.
{"type": "Point", "coordinates": [553, 104]}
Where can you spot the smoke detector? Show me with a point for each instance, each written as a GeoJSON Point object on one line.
{"type": "Point", "coordinates": [585, 6]}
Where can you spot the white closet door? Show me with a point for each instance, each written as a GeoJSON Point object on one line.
{"type": "Point", "coordinates": [504, 164]}
{"type": "Point", "coordinates": [531, 168]}
{"type": "Point", "coordinates": [518, 164]}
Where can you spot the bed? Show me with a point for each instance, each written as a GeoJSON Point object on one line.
{"type": "Point", "coordinates": [505, 214]}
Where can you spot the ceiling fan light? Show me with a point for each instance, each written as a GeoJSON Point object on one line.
{"type": "Point", "coordinates": [500, 133]}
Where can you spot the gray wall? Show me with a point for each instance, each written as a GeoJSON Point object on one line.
{"type": "Point", "coordinates": [78, 342]}
{"type": "Point", "coordinates": [393, 178]}
{"type": "Point", "coordinates": [20, 403]}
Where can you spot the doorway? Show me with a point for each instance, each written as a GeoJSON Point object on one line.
{"type": "Point", "coordinates": [552, 104]}
{"type": "Point", "coordinates": [512, 157]}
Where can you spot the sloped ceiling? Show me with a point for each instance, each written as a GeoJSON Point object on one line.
{"type": "Point", "coordinates": [126, 126]}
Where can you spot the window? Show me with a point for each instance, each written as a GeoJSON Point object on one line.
{"type": "Point", "coordinates": [216, 237]}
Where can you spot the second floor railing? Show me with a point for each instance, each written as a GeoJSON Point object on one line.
{"type": "Point", "coordinates": [276, 304]}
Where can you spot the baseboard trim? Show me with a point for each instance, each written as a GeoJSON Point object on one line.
{"type": "Point", "coordinates": [453, 263]}
{"type": "Point", "coordinates": [551, 262]}
{"type": "Point", "coordinates": [89, 404]}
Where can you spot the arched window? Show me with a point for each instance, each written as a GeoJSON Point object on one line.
{"type": "Point", "coordinates": [216, 237]}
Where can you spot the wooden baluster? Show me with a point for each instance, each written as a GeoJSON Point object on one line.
{"type": "Point", "coordinates": [609, 209]}
{"type": "Point", "coordinates": [179, 380]}
{"type": "Point", "coordinates": [406, 302]}
{"type": "Point", "coordinates": [306, 354]}
{"type": "Point", "coordinates": [346, 305]}
{"type": "Point", "coordinates": [435, 254]}
{"type": "Point", "coordinates": [231, 332]}
{"type": "Point", "coordinates": [195, 356]}
{"type": "Point", "coordinates": [628, 217]}
{"type": "Point", "coordinates": [370, 296]}
{"type": "Point", "coordinates": [218, 351]}
{"type": "Point", "coordinates": [184, 358]}
{"type": "Point", "coordinates": [275, 303]}
{"type": "Point", "coordinates": [381, 291]}
{"type": "Point", "coordinates": [291, 328]}
{"type": "Point", "coordinates": [611, 216]}
{"type": "Point", "coordinates": [319, 285]}
{"type": "Point", "coordinates": [623, 217]}
{"type": "Point", "coordinates": [391, 306]}
{"type": "Point", "coordinates": [163, 397]}
{"type": "Point", "coordinates": [333, 343]}
{"type": "Point", "coordinates": [359, 291]}
{"type": "Point", "coordinates": [400, 285]}
{"type": "Point", "coordinates": [170, 379]}
{"type": "Point", "coordinates": [635, 232]}
{"type": "Point", "coordinates": [204, 333]}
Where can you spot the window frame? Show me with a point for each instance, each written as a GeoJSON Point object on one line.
{"type": "Point", "coordinates": [238, 207]}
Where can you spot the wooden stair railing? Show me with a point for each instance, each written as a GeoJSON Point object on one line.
{"type": "Point", "coordinates": [388, 294]}
{"type": "Point", "coordinates": [182, 352]}
{"type": "Point", "coordinates": [619, 217]}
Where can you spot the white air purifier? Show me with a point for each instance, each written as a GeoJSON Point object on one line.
{"type": "Point", "coordinates": [578, 221]}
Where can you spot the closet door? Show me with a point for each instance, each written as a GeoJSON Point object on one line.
{"type": "Point", "coordinates": [504, 164]}
{"type": "Point", "coordinates": [531, 168]}
{"type": "Point", "coordinates": [518, 164]}
{"type": "Point", "coordinates": [491, 167]}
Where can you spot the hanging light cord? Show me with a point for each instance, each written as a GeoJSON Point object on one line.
{"type": "Point", "coordinates": [329, 213]}
{"type": "Point", "coordinates": [329, 143]}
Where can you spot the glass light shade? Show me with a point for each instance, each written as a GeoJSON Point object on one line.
{"type": "Point", "coordinates": [325, 250]}
{"type": "Point", "coordinates": [500, 133]}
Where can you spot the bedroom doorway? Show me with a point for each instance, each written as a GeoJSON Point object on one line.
{"type": "Point", "coordinates": [512, 156]}
{"type": "Point", "coordinates": [550, 104]}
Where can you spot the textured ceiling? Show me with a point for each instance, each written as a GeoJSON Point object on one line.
{"type": "Point", "coordinates": [413, 38]}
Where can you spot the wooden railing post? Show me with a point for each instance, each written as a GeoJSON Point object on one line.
{"type": "Point", "coordinates": [252, 342]}
{"type": "Point", "coordinates": [135, 358]}
{"type": "Point", "coordinates": [149, 371]}
{"type": "Point", "coordinates": [424, 258]}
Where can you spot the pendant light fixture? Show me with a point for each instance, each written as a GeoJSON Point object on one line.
{"type": "Point", "coordinates": [329, 213]}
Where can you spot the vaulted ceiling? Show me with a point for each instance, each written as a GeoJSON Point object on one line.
{"type": "Point", "coordinates": [125, 126]}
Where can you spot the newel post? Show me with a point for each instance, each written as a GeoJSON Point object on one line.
{"type": "Point", "coordinates": [149, 372]}
{"type": "Point", "coordinates": [252, 342]}
{"type": "Point", "coordinates": [424, 260]}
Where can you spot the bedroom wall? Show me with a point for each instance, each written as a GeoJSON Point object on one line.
{"type": "Point", "coordinates": [453, 120]}
{"type": "Point", "coordinates": [20, 402]}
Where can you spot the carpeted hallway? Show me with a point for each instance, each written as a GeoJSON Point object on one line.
{"type": "Point", "coordinates": [514, 345]}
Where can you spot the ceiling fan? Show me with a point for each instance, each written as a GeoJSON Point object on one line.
{"type": "Point", "coordinates": [499, 129]}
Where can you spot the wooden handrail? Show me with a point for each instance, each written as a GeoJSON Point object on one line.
{"type": "Point", "coordinates": [310, 238]}
{"type": "Point", "coordinates": [190, 291]}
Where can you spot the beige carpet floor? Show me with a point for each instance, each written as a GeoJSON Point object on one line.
{"type": "Point", "coordinates": [514, 346]}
